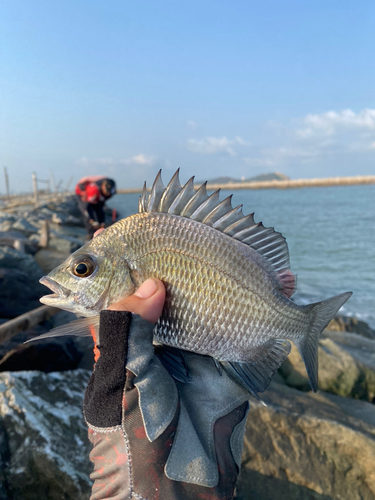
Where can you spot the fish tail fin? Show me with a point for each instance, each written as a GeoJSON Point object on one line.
{"type": "Point", "coordinates": [321, 315]}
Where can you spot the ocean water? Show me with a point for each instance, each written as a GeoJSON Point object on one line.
{"type": "Point", "coordinates": [330, 232]}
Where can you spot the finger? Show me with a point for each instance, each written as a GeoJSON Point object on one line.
{"type": "Point", "coordinates": [98, 231]}
{"type": "Point", "coordinates": [147, 301]}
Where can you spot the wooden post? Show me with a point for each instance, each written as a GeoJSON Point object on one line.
{"type": "Point", "coordinates": [44, 236]}
{"type": "Point", "coordinates": [6, 182]}
{"type": "Point", "coordinates": [35, 187]}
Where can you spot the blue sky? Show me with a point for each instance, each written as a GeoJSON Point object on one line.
{"type": "Point", "coordinates": [214, 87]}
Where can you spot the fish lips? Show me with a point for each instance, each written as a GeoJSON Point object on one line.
{"type": "Point", "coordinates": [60, 293]}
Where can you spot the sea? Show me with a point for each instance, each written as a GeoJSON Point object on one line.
{"type": "Point", "coordinates": [330, 232]}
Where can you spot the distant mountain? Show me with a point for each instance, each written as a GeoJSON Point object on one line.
{"type": "Point", "coordinates": [273, 176]}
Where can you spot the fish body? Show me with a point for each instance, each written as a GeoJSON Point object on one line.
{"type": "Point", "coordinates": [228, 282]}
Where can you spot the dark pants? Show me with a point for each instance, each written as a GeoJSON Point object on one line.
{"type": "Point", "coordinates": [93, 211]}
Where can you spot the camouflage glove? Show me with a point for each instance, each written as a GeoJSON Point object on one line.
{"type": "Point", "coordinates": [154, 438]}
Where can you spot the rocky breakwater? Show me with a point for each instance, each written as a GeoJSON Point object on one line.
{"type": "Point", "coordinates": [301, 446]}
{"type": "Point", "coordinates": [306, 446]}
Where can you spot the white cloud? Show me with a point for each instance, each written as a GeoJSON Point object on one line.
{"type": "Point", "coordinates": [331, 122]}
{"type": "Point", "coordinates": [140, 159]}
{"type": "Point", "coordinates": [260, 162]}
{"type": "Point", "coordinates": [214, 145]}
{"type": "Point", "coordinates": [191, 124]}
{"type": "Point", "coordinates": [99, 161]}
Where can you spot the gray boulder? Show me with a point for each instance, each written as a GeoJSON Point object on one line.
{"type": "Point", "coordinates": [25, 227]}
{"type": "Point", "coordinates": [43, 438]}
{"type": "Point", "coordinates": [350, 324]}
{"type": "Point", "coordinates": [20, 289]}
{"type": "Point", "coordinates": [18, 241]}
{"type": "Point", "coordinates": [48, 259]}
{"type": "Point", "coordinates": [306, 446]}
{"type": "Point", "coordinates": [346, 366]}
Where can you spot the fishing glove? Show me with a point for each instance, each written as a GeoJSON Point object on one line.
{"type": "Point", "coordinates": [155, 438]}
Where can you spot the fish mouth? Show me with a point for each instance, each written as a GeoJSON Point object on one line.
{"type": "Point", "coordinates": [60, 292]}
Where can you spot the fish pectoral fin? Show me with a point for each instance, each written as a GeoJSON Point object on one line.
{"type": "Point", "coordinates": [83, 327]}
{"type": "Point", "coordinates": [174, 362]}
{"type": "Point", "coordinates": [256, 375]}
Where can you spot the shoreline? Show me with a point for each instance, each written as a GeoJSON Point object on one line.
{"type": "Point", "coordinates": [280, 184]}
{"type": "Point", "coordinates": [27, 198]}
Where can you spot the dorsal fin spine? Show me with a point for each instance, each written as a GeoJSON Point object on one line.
{"type": "Point", "coordinates": [210, 210]}
{"type": "Point", "coordinates": [196, 200]}
{"type": "Point", "coordinates": [183, 197]}
{"type": "Point", "coordinates": [156, 194]}
{"type": "Point", "coordinates": [171, 191]}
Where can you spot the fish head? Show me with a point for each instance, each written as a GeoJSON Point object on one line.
{"type": "Point", "coordinates": [92, 278]}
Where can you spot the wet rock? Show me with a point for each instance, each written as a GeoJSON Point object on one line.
{"type": "Point", "coordinates": [6, 222]}
{"type": "Point", "coordinates": [350, 324]}
{"type": "Point", "coordinates": [67, 220]}
{"type": "Point", "coordinates": [54, 354]}
{"type": "Point", "coordinates": [43, 437]}
{"type": "Point", "coordinates": [48, 259]}
{"type": "Point", "coordinates": [20, 289]}
{"type": "Point", "coordinates": [44, 356]}
{"type": "Point", "coordinates": [64, 243]}
{"type": "Point", "coordinates": [346, 366]}
{"type": "Point", "coordinates": [18, 241]}
{"type": "Point", "coordinates": [306, 446]}
{"type": "Point", "coordinates": [24, 226]}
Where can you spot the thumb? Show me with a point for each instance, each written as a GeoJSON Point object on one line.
{"type": "Point", "coordinates": [147, 301]}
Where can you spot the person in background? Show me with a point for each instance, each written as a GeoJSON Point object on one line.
{"type": "Point", "coordinates": [92, 193]}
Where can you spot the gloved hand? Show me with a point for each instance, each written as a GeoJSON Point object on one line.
{"type": "Point", "coordinates": [154, 438]}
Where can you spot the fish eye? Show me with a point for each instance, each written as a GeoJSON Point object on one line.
{"type": "Point", "coordinates": [82, 266]}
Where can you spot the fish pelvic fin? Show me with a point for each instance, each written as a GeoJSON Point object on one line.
{"type": "Point", "coordinates": [174, 362]}
{"type": "Point", "coordinates": [83, 327]}
{"type": "Point", "coordinates": [321, 315]}
{"type": "Point", "coordinates": [256, 375]}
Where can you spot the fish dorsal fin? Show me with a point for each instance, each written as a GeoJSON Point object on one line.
{"type": "Point", "coordinates": [219, 214]}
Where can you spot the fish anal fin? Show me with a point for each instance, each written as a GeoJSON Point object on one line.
{"type": "Point", "coordinates": [256, 375]}
{"type": "Point", "coordinates": [173, 361]}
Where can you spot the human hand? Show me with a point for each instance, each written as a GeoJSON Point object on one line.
{"type": "Point", "coordinates": [147, 301]}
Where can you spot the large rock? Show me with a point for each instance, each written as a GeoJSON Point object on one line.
{"type": "Point", "coordinates": [43, 438]}
{"type": "Point", "coordinates": [346, 366]}
{"type": "Point", "coordinates": [18, 241]}
{"type": "Point", "coordinates": [25, 227]}
{"type": "Point", "coordinates": [20, 289]}
{"type": "Point", "coordinates": [48, 259]}
{"type": "Point", "coordinates": [53, 354]}
{"type": "Point", "coordinates": [350, 324]}
{"type": "Point", "coordinates": [306, 446]}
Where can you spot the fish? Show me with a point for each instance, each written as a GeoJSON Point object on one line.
{"type": "Point", "coordinates": [228, 282]}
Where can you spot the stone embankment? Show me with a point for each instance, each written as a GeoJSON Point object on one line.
{"type": "Point", "coordinates": [301, 446]}
{"type": "Point", "coordinates": [281, 184]}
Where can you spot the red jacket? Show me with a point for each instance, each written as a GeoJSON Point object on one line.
{"type": "Point", "coordinates": [88, 189]}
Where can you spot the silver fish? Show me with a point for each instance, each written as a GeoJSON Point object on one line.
{"type": "Point", "coordinates": [227, 278]}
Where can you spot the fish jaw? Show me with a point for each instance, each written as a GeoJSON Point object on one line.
{"type": "Point", "coordinates": [63, 298]}
{"type": "Point", "coordinates": [60, 292]}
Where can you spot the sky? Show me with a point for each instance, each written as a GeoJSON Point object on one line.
{"type": "Point", "coordinates": [214, 87]}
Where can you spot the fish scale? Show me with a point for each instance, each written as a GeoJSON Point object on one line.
{"type": "Point", "coordinates": [162, 250]}
{"type": "Point", "coordinates": [227, 278]}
